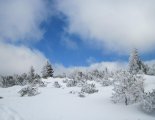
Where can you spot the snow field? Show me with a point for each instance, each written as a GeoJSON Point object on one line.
{"type": "Point", "coordinates": [58, 104]}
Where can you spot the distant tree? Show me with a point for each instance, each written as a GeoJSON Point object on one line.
{"type": "Point", "coordinates": [7, 81]}
{"type": "Point", "coordinates": [128, 88]}
{"type": "Point", "coordinates": [134, 59]}
{"type": "Point", "coordinates": [151, 70]}
{"type": "Point", "coordinates": [21, 79]}
{"type": "Point", "coordinates": [143, 68]}
{"type": "Point", "coordinates": [77, 75]}
{"type": "Point", "coordinates": [135, 64]}
{"type": "Point", "coordinates": [47, 70]}
{"type": "Point", "coordinates": [31, 75]}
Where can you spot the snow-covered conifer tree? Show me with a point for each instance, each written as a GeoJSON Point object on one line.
{"type": "Point", "coordinates": [128, 88]}
{"type": "Point", "coordinates": [47, 70]}
{"type": "Point", "coordinates": [134, 62]}
{"type": "Point", "coordinates": [31, 75]}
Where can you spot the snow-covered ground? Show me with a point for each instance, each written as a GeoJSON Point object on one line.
{"type": "Point", "coordinates": [149, 83]}
{"type": "Point", "coordinates": [58, 104]}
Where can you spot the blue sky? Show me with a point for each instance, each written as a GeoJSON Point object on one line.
{"type": "Point", "coordinates": [58, 52]}
{"type": "Point", "coordinates": [73, 33]}
{"type": "Point", "coordinates": [84, 54]}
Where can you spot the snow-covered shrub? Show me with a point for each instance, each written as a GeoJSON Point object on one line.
{"type": "Point", "coordinates": [65, 81]}
{"type": "Point", "coordinates": [38, 82]}
{"type": "Point", "coordinates": [148, 103]}
{"type": "Point", "coordinates": [73, 92]}
{"type": "Point", "coordinates": [77, 75]}
{"type": "Point", "coordinates": [128, 88]}
{"type": "Point", "coordinates": [92, 74]}
{"type": "Point", "coordinates": [1, 84]}
{"type": "Point", "coordinates": [81, 94]}
{"type": "Point", "coordinates": [29, 91]}
{"type": "Point", "coordinates": [7, 81]}
{"type": "Point", "coordinates": [97, 75]}
{"type": "Point", "coordinates": [71, 83]}
{"type": "Point", "coordinates": [106, 82]}
{"type": "Point", "coordinates": [89, 88]}
{"type": "Point", "coordinates": [1, 81]}
{"type": "Point", "coordinates": [21, 79]}
{"type": "Point", "coordinates": [57, 85]}
{"type": "Point", "coordinates": [81, 83]}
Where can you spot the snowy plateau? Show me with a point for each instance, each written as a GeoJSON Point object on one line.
{"type": "Point", "coordinates": [60, 104]}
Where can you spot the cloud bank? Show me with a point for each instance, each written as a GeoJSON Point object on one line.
{"type": "Point", "coordinates": [112, 66]}
{"type": "Point", "coordinates": [19, 59]}
{"type": "Point", "coordinates": [115, 25]}
{"type": "Point", "coordinates": [21, 20]}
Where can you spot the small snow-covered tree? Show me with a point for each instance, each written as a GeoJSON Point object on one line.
{"type": "Point", "coordinates": [56, 84]}
{"type": "Point", "coordinates": [128, 88]}
{"type": "Point", "coordinates": [47, 70]}
{"type": "Point", "coordinates": [71, 83]}
{"type": "Point", "coordinates": [89, 88]}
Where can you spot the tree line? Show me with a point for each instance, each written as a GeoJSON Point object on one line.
{"type": "Point", "coordinates": [27, 78]}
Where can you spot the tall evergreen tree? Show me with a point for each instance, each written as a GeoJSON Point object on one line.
{"type": "Point", "coordinates": [134, 62]}
{"type": "Point", "coordinates": [31, 74]}
{"type": "Point", "coordinates": [47, 70]}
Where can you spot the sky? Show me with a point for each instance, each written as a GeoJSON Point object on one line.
{"type": "Point", "coordinates": [74, 33]}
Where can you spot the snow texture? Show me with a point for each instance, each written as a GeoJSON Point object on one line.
{"type": "Point", "coordinates": [58, 104]}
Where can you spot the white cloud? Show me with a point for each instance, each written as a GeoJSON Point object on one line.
{"type": "Point", "coordinates": [117, 25]}
{"type": "Point", "coordinates": [19, 59]}
{"type": "Point", "coordinates": [21, 19]}
{"type": "Point", "coordinates": [112, 66]}
{"type": "Point", "coordinates": [59, 69]}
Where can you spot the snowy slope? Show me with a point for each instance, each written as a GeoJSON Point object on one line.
{"type": "Point", "coordinates": [149, 83]}
{"type": "Point", "coordinates": [58, 104]}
